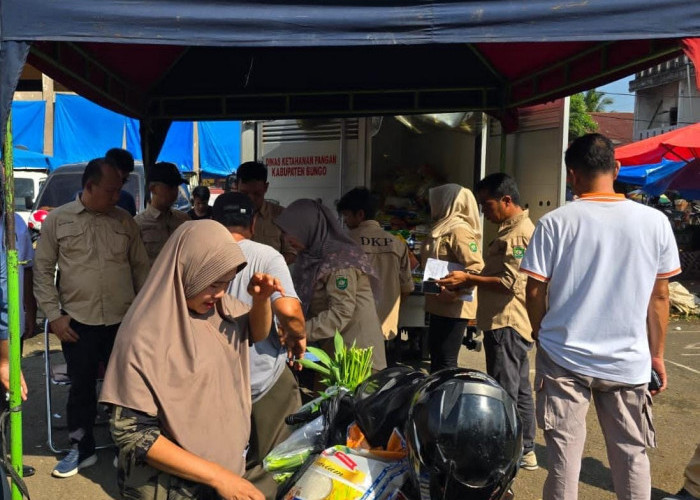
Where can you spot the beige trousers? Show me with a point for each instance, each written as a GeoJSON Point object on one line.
{"type": "Point", "coordinates": [624, 414]}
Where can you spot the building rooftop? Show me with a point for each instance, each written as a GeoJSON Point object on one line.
{"type": "Point", "coordinates": [618, 127]}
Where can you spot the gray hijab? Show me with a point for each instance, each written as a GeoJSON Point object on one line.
{"type": "Point", "coordinates": [328, 247]}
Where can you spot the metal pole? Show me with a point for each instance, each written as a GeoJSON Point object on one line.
{"type": "Point", "coordinates": [504, 150]}
{"type": "Point", "coordinates": [13, 311]}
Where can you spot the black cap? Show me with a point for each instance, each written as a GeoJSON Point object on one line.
{"type": "Point", "coordinates": [167, 173]}
{"type": "Point", "coordinates": [232, 204]}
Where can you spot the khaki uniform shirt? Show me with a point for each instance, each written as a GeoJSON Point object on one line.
{"type": "Point", "coordinates": [503, 257]}
{"type": "Point", "coordinates": [267, 232]}
{"type": "Point", "coordinates": [389, 258]}
{"type": "Point", "coordinates": [156, 227]}
{"type": "Point", "coordinates": [102, 262]}
{"type": "Point", "coordinates": [462, 247]}
{"type": "Point", "coordinates": [344, 302]}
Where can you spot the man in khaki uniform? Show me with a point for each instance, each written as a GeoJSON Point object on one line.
{"type": "Point", "coordinates": [501, 313]}
{"type": "Point", "coordinates": [387, 254]}
{"type": "Point", "coordinates": [252, 180]}
{"type": "Point", "coordinates": [102, 265]}
{"type": "Point", "coordinates": [160, 220]}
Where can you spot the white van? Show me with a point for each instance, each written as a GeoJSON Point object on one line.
{"type": "Point", "coordinates": [27, 185]}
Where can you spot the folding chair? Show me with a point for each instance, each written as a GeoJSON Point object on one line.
{"type": "Point", "coordinates": [56, 375]}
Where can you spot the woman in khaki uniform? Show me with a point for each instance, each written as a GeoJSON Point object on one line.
{"type": "Point", "coordinates": [333, 278]}
{"type": "Point", "coordinates": [455, 237]}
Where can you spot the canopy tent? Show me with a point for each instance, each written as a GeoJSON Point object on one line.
{"type": "Point", "coordinates": [682, 144]}
{"type": "Point", "coordinates": [654, 180]}
{"type": "Point", "coordinates": [161, 60]}
{"type": "Point", "coordinates": [223, 59]}
{"type": "Point", "coordinates": [649, 175]}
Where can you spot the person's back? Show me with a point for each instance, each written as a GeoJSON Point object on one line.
{"type": "Point", "coordinates": [597, 299]}
{"type": "Point", "coordinates": [389, 258]}
{"type": "Point", "coordinates": [387, 255]}
{"type": "Point", "coordinates": [603, 260]}
{"type": "Point", "coordinates": [360, 324]}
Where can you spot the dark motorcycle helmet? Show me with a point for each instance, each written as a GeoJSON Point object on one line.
{"type": "Point", "coordinates": [464, 436]}
{"type": "Point", "coordinates": [382, 402]}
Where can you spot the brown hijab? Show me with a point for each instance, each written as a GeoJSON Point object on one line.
{"type": "Point", "coordinates": [327, 247]}
{"type": "Point", "coordinates": [189, 370]}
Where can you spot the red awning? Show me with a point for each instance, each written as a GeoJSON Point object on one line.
{"type": "Point", "coordinates": [680, 144]}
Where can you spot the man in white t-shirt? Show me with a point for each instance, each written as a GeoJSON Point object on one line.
{"type": "Point", "coordinates": [274, 389]}
{"type": "Point", "coordinates": [597, 298]}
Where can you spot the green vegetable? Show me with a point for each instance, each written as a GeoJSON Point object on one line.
{"type": "Point", "coordinates": [348, 367]}
{"type": "Point", "coordinates": [286, 463]}
{"type": "Point", "coordinates": [282, 477]}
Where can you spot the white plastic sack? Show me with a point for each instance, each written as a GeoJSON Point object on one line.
{"type": "Point", "coordinates": [681, 299]}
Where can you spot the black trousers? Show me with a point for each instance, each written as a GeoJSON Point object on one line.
{"type": "Point", "coordinates": [83, 359]}
{"type": "Point", "coordinates": [506, 361]}
{"type": "Point", "coordinates": [445, 340]}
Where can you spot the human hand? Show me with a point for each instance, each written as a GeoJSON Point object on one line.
{"type": "Point", "coordinates": [296, 347]}
{"type": "Point", "coordinates": [5, 379]}
{"type": "Point", "coordinates": [233, 487]}
{"type": "Point", "coordinates": [262, 286]}
{"type": "Point", "coordinates": [657, 363]}
{"type": "Point", "coordinates": [61, 328]}
{"type": "Point", "coordinates": [456, 279]}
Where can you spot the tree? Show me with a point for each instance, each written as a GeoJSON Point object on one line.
{"type": "Point", "coordinates": [581, 106]}
{"type": "Point", "coordinates": [596, 101]}
{"type": "Point", "coordinates": [580, 120]}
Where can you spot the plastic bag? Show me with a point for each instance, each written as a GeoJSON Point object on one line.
{"type": "Point", "coordinates": [291, 453]}
{"type": "Point", "coordinates": [341, 473]}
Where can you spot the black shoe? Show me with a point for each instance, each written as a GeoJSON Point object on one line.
{"type": "Point", "coordinates": [27, 471]}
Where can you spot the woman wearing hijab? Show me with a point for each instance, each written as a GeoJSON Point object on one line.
{"type": "Point", "coordinates": [333, 278]}
{"type": "Point", "coordinates": [455, 237]}
{"type": "Point", "coordinates": [178, 376]}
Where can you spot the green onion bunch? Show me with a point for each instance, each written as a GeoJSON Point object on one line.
{"type": "Point", "coordinates": [348, 368]}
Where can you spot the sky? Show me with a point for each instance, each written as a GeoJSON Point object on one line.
{"type": "Point", "coordinates": [622, 103]}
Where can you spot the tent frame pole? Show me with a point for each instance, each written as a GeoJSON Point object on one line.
{"type": "Point", "coordinates": [13, 312]}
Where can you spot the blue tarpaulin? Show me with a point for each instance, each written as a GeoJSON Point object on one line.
{"type": "Point", "coordinates": [177, 147]}
{"type": "Point", "coordinates": [219, 147]}
{"type": "Point", "coordinates": [666, 176]}
{"type": "Point", "coordinates": [28, 125]}
{"type": "Point", "coordinates": [648, 176]}
{"type": "Point", "coordinates": [31, 159]}
{"type": "Point", "coordinates": [344, 22]}
{"type": "Point", "coordinates": [83, 130]}
{"type": "Point", "coordinates": [133, 139]}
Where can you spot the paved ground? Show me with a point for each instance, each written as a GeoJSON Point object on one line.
{"type": "Point", "coordinates": [676, 414]}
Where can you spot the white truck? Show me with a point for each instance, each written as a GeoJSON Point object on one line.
{"type": "Point", "coordinates": [27, 185]}
{"type": "Point", "coordinates": [326, 158]}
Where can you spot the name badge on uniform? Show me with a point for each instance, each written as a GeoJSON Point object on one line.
{"type": "Point", "coordinates": [518, 252]}
{"type": "Point", "coordinates": [341, 282]}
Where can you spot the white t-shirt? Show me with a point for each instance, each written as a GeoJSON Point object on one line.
{"type": "Point", "coordinates": [600, 256]}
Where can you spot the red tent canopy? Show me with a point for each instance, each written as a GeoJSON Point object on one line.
{"type": "Point", "coordinates": [680, 144]}
{"type": "Point", "coordinates": [207, 83]}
